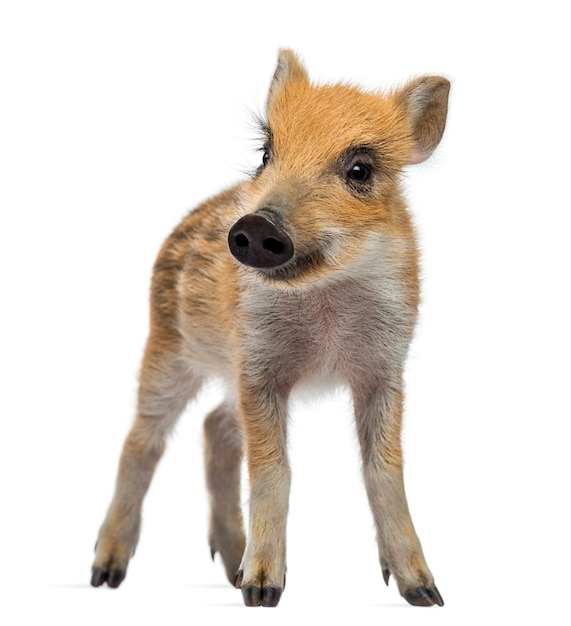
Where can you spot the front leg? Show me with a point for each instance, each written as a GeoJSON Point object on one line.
{"type": "Point", "coordinates": [262, 572]}
{"type": "Point", "coordinates": [379, 418]}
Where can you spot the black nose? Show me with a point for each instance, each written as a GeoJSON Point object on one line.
{"type": "Point", "coordinates": [257, 242]}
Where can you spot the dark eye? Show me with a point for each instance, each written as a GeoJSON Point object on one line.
{"type": "Point", "coordinates": [265, 157]}
{"type": "Point", "coordinates": [360, 172]}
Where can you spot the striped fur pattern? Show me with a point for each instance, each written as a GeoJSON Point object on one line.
{"type": "Point", "coordinates": [342, 308]}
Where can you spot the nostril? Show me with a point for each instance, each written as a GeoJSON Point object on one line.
{"type": "Point", "coordinates": [273, 245]}
{"type": "Point", "coordinates": [241, 240]}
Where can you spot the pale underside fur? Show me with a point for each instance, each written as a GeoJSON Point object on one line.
{"type": "Point", "coordinates": [340, 311]}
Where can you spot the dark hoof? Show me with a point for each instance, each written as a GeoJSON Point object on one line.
{"type": "Point", "coordinates": [252, 596]}
{"type": "Point", "coordinates": [98, 577]}
{"type": "Point", "coordinates": [386, 576]}
{"type": "Point", "coordinates": [267, 596]}
{"type": "Point", "coordinates": [113, 578]}
{"type": "Point", "coordinates": [271, 596]}
{"type": "Point", "coordinates": [423, 596]}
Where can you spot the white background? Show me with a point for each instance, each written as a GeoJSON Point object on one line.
{"type": "Point", "coordinates": [118, 117]}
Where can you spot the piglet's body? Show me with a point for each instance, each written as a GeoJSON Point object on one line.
{"type": "Point", "coordinates": [308, 270]}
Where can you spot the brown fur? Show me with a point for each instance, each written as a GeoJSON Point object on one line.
{"type": "Point", "coordinates": [342, 309]}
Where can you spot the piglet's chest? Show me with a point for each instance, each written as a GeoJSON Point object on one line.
{"type": "Point", "coordinates": [334, 331]}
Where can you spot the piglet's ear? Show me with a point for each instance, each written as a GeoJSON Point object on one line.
{"type": "Point", "coordinates": [289, 68]}
{"type": "Point", "coordinates": [425, 100]}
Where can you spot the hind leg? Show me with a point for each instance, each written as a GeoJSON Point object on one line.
{"type": "Point", "coordinates": [223, 456]}
{"type": "Point", "coordinates": [165, 388]}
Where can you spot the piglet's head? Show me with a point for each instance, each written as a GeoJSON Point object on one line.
{"type": "Point", "coordinates": [327, 193]}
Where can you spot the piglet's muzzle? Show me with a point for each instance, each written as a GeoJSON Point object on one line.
{"type": "Point", "coordinates": [257, 242]}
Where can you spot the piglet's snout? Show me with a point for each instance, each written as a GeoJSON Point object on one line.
{"type": "Point", "coordinates": [257, 242]}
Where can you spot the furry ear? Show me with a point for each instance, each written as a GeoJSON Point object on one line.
{"type": "Point", "coordinates": [425, 100]}
{"type": "Point", "coordinates": [289, 68]}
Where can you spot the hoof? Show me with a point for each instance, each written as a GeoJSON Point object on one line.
{"type": "Point", "coordinates": [113, 578]}
{"type": "Point", "coordinates": [264, 596]}
{"type": "Point", "coordinates": [255, 595]}
{"type": "Point", "coordinates": [423, 596]}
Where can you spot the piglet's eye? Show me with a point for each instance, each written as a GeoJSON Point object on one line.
{"type": "Point", "coordinates": [360, 172]}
